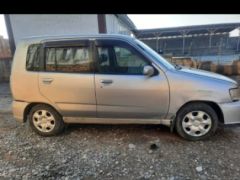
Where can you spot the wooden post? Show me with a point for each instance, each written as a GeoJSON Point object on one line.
{"type": "Point", "coordinates": [102, 28]}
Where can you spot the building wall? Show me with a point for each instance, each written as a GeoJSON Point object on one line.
{"type": "Point", "coordinates": [115, 26]}
{"type": "Point", "coordinates": [5, 59]}
{"type": "Point", "coordinates": [4, 48]}
{"type": "Point", "coordinates": [42, 25]}
{"type": "Point", "coordinates": [5, 68]}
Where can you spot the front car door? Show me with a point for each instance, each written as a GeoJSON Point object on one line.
{"type": "Point", "coordinates": [67, 80]}
{"type": "Point", "coordinates": [122, 91]}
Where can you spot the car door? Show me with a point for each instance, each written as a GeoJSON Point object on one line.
{"type": "Point", "coordinates": [122, 91]}
{"type": "Point", "coordinates": [68, 77]}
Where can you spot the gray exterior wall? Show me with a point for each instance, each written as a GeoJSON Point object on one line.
{"type": "Point", "coordinates": [41, 25]}
{"type": "Point", "coordinates": [5, 68]}
{"type": "Point", "coordinates": [115, 26]}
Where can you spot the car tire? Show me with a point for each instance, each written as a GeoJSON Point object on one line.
{"type": "Point", "coordinates": [196, 121]}
{"type": "Point", "coordinates": [45, 120]}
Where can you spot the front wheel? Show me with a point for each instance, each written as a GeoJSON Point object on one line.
{"type": "Point", "coordinates": [196, 121]}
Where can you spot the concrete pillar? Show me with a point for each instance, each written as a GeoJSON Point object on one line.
{"type": "Point", "coordinates": [238, 39]}
{"type": "Point", "coordinates": [238, 43]}
{"type": "Point", "coordinates": [183, 47]}
{"type": "Point", "coordinates": [157, 41]}
{"type": "Point", "coordinates": [184, 33]}
{"type": "Point", "coordinates": [211, 33]}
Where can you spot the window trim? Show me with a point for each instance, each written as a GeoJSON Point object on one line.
{"type": "Point", "coordinates": [69, 44]}
{"type": "Point", "coordinates": [111, 43]}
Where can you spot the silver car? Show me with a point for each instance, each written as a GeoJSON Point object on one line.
{"type": "Point", "coordinates": [115, 79]}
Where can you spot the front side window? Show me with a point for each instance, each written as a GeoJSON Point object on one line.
{"type": "Point", "coordinates": [128, 62]}
{"type": "Point", "coordinates": [69, 59]}
{"type": "Point", "coordinates": [120, 60]}
{"type": "Point", "coordinates": [33, 57]}
{"type": "Point", "coordinates": [104, 64]}
{"type": "Point", "coordinates": [103, 56]}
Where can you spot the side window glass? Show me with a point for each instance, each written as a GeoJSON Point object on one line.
{"type": "Point", "coordinates": [128, 62]}
{"type": "Point", "coordinates": [104, 64]}
{"type": "Point", "coordinates": [50, 59]}
{"type": "Point", "coordinates": [103, 56]}
{"type": "Point", "coordinates": [69, 59]}
{"type": "Point", "coordinates": [33, 58]}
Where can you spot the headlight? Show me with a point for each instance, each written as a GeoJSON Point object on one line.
{"type": "Point", "coordinates": [235, 94]}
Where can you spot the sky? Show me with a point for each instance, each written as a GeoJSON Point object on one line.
{"type": "Point", "coordinates": [3, 31]}
{"type": "Point", "coordinates": [144, 21]}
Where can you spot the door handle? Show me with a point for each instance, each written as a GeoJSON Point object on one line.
{"type": "Point", "coordinates": [47, 80]}
{"type": "Point", "coordinates": [106, 81]}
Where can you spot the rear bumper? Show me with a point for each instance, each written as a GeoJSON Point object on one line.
{"type": "Point", "coordinates": [18, 108]}
{"type": "Point", "coordinates": [231, 112]}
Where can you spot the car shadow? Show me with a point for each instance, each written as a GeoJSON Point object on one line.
{"type": "Point", "coordinates": [130, 130]}
{"type": "Point", "coordinates": [223, 133]}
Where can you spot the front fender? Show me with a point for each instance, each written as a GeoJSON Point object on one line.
{"type": "Point", "coordinates": [186, 88]}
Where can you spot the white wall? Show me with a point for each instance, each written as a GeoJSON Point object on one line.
{"type": "Point", "coordinates": [40, 25]}
{"type": "Point", "coordinates": [115, 26]}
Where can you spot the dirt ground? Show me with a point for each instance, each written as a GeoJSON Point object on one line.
{"type": "Point", "coordinates": [113, 152]}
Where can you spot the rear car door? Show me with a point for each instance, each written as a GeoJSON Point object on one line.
{"type": "Point", "coordinates": [68, 77]}
{"type": "Point", "coordinates": [122, 91]}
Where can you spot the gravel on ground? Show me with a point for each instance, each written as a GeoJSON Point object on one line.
{"type": "Point", "coordinates": [114, 152]}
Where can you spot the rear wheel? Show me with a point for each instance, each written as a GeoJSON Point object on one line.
{"type": "Point", "coordinates": [45, 120]}
{"type": "Point", "coordinates": [196, 121]}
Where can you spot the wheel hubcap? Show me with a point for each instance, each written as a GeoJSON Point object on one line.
{"type": "Point", "coordinates": [43, 120]}
{"type": "Point", "coordinates": [197, 123]}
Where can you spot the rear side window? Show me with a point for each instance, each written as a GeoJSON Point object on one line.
{"type": "Point", "coordinates": [68, 59]}
{"type": "Point", "coordinates": [33, 57]}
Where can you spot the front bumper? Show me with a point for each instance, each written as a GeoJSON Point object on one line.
{"type": "Point", "coordinates": [18, 108]}
{"type": "Point", "coordinates": [231, 112]}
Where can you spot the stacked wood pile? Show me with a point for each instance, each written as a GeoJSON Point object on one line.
{"type": "Point", "coordinates": [229, 70]}
{"type": "Point", "coordinates": [188, 62]}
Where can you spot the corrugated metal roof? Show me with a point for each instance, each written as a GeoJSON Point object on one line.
{"type": "Point", "coordinates": [175, 31]}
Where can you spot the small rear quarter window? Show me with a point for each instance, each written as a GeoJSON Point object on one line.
{"type": "Point", "coordinates": [33, 57]}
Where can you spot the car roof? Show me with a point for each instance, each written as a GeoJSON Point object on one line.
{"type": "Point", "coordinates": [39, 39]}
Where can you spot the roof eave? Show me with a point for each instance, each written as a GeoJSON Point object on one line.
{"type": "Point", "coordinates": [127, 21]}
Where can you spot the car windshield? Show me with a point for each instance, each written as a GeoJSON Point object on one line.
{"type": "Point", "coordinates": [154, 54]}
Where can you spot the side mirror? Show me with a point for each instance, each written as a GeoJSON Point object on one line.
{"type": "Point", "coordinates": [148, 71]}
